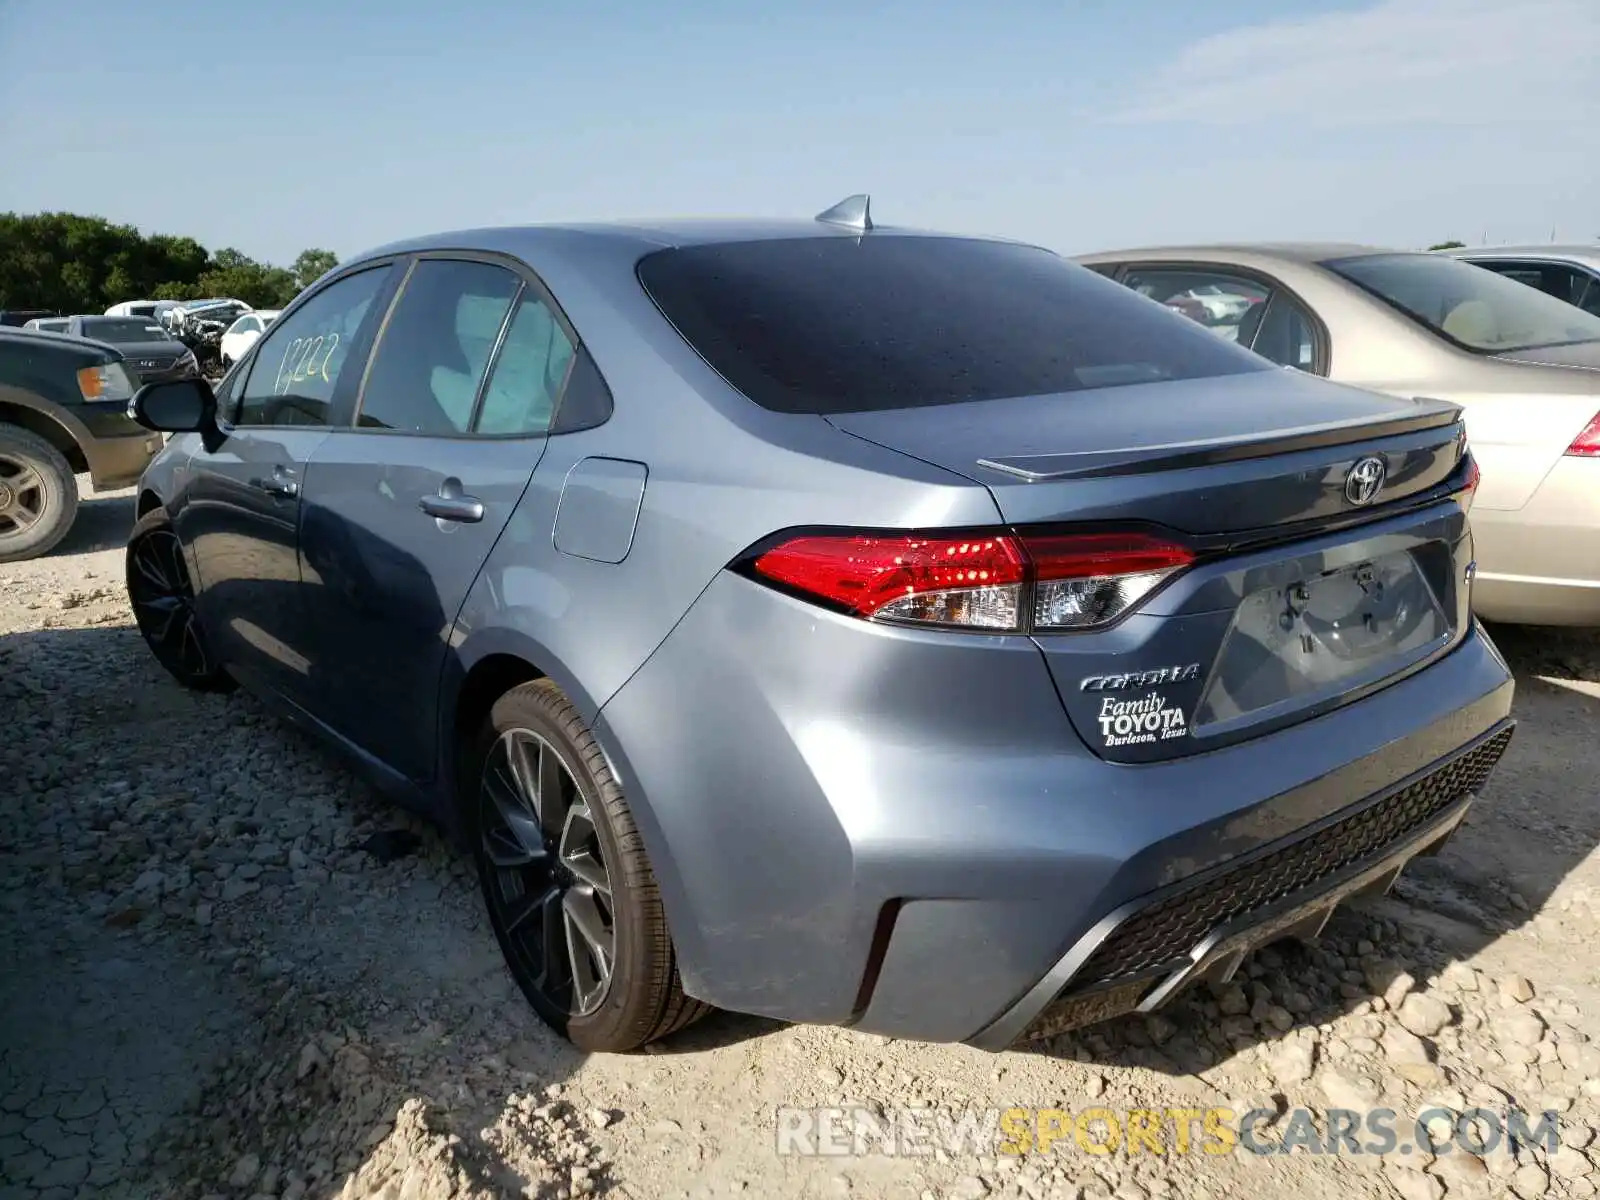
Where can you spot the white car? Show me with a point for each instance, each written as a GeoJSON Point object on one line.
{"type": "Point", "coordinates": [242, 334]}
{"type": "Point", "coordinates": [1222, 305]}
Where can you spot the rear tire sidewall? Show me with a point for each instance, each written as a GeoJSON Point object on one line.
{"type": "Point", "coordinates": [60, 495]}
{"type": "Point", "coordinates": [632, 998]}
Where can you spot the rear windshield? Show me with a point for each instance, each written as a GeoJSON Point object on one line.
{"type": "Point", "coordinates": [838, 324]}
{"type": "Point", "coordinates": [124, 330]}
{"type": "Point", "coordinates": [1474, 307]}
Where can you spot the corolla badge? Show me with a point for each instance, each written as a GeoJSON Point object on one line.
{"type": "Point", "coordinates": [1365, 481]}
{"type": "Point", "coordinates": [1133, 680]}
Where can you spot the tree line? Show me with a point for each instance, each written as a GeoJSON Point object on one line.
{"type": "Point", "coordinates": [81, 264]}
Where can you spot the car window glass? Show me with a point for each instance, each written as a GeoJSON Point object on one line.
{"type": "Point", "coordinates": [124, 330]}
{"type": "Point", "coordinates": [1476, 309]}
{"type": "Point", "coordinates": [842, 324]}
{"type": "Point", "coordinates": [1566, 283]}
{"type": "Point", "coordinates": [297, 365]}
{"type": "Point", "coordinates": [1219, 301]}
{"type": "Point", "coordinates": [1286, 334]}
{"type": "Point", "coordinates": [229, 391]}
{"type": "Point", "coordinates": [1589, 301]}
{"type": "Point", "coordinates": [528, 374]}
{"type": "Point", "coordinates": [435, 348]}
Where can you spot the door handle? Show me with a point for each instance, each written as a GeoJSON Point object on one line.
{"type": "Point", "coordinates": [452, 508]}
{"type": "Point", "coordinates": [281, 483]}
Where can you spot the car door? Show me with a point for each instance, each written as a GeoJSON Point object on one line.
{"type": "Point", "coordinates": [401, 509]}
{"type": "Point", "coordinates": [240, 516]}
{"type": "Point", "coordinates": [1241, 305]}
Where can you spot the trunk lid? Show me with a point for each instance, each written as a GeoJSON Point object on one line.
{"type": "Point", "coordinates": [1306, 592]}
{"type": "Point", "coordinates": [1202, 456]}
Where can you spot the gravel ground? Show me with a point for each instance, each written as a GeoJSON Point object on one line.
{"type": "Point", "coordinates": [229, 971]}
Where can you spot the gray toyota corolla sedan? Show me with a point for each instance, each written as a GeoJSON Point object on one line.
{"type": "Point", "coordinates": [845, 624]}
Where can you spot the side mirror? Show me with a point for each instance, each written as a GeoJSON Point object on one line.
{"type": "Point", "coordinates": [177, 406]}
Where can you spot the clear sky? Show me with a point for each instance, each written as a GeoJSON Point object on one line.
{"type": "Point", "coordinates": [272, 125]}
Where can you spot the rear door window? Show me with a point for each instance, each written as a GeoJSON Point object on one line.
{"type": "Point", "coordinates": [529, 374]}
{"type": "Point", "coordinates": [834, 324]}
{"type": "Point", "coordinates": [431, 358]}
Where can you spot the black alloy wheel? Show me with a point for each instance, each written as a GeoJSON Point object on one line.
{"type": "Point", "coordinates": [568, 885]}
{"type": "Point", "coordinates": [550, 892]}
{"type": "Point", "coordinates": [163, 606]}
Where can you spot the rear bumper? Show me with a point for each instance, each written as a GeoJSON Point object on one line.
{"type": "Point", "coordinates": [1540, 564]}
{"type": "Point", "coordinates": [1139, 957]}
{"type": "Point", "coordinates": [900, 830]}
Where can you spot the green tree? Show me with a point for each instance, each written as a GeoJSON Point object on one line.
{"type": "Point", "coordinates": [239, 277]}
{"type": "Point", "coordinates": [312, 265]}
{"type": "Point", "coordinates": [1449, 246]}
{"type": "Point", "coordinates": [83, 264]}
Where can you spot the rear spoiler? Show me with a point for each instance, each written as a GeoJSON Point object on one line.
{"type": "Point", "coordinates": [1037, 468]}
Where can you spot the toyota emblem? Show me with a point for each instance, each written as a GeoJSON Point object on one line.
{"type": "Point", "coordinates": [1365, 481]}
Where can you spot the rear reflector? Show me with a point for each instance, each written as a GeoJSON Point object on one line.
{"type": "Point", "coordinates": [1587, 443]}
{"type": "Point", "coordinates": [979, 581]}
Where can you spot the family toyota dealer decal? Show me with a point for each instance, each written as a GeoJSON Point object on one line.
{"type": "Point", "coordinates": [1130, 722]}
{"type": "Point", "coordinates": [1151, 718]}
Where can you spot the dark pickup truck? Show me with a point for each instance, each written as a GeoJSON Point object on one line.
{"type": "Point", "coordinates": [63, 412]}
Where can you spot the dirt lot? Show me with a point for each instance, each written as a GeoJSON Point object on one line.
{"type": "Point", "coordinates": [228, 971]}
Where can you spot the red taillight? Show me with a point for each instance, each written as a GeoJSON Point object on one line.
{"type": "Point", "coordinates": [1470, 488]}
{"type": "Point", "coordinates": [1587, 443]}
{"type": "Point", "coordinates": [982, 580]}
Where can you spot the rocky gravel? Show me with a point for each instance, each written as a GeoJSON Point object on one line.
{"type": "Point", "coordinates": [229, 971]}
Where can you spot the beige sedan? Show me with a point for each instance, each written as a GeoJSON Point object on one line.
{"type": "Point", "coordinates": [1524, 365]}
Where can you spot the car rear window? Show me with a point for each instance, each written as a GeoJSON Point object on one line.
{"type": "Point", "coordinates": [839, 324]}
{"type": "Point", "coordinates": [125, 330]}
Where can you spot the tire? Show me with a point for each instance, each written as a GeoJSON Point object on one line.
{"type": "Point", "coordinates": [643, 999]}
{"type": "Point", "coordinates": [159, 589]}
{"type": "Point", "coordinates": [38, 495]}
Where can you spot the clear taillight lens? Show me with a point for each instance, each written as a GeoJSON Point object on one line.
{"type": "Point", "coordinates": [1084, 580]}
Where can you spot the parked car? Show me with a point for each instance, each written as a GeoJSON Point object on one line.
{"type": "Point", "coordinates": [1570, 273]}
{"type": "Point", "coordinates": [49, 324]}
{"type": "Point", "coordinates": [63, 411]}
{"type": "Point", "coordinates": [138, 308]}
{"type": "Point", "coordinates": [150, 351]}
{"type": "Point", "coordinates": [242, 334]}
{"type": "Point", "coordinates": [777, 609]}
{"type": "Point", "coordinates": [17, 317]}
{"type": "Point", "coordinates": [1418, 324]}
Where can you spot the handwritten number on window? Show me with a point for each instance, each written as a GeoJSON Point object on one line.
{"type": "Point", "coordinates": [304, 359]}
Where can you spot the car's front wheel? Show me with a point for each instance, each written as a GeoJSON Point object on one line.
{"type": "Point", "coordinates": [38, 495]}
{"type": "Point", "coordinates": [569, 888]}
{"type": "Point", "coordinates": [162, 597]}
